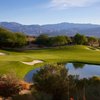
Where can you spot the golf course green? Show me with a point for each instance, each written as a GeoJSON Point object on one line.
{"type": "Point", "coordinates": [12, 61]}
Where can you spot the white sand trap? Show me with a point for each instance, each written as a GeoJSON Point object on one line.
{"type": "Point", "coordinates": [88, 48]}
{"type": "Point", "coordinates": [33, 62]}
{"type": "Point", "coordinates": [2, 54]}
{"type": "Point", "coordinates": [97, 50]}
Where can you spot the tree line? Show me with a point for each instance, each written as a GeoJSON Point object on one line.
{"type": "Point", "coordinates": [78, 39]}
{"type": "Point", "coordinates": [17, 39]}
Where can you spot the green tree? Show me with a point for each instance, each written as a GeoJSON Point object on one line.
{"type": "Point", "coordinates": [92, 40]}
{"type": "Point", "coordinates": [10, 39]}
{"type": "Point", "coordinates": [6, 38]}
{"type": "Point", "coordinates": [69, 40]}
{"type": "Point", "coordinates": [54, 80]}
{"type": "Point", "coordinates": [20, 40]}
{"type": "Point", "coordinates": [42, 40]}
{"type": "Point", "coordinates": [80, 39]}
{"type": "Point", "coordinates": [59, 40]}
{"type": "Point", "coordinates": [99, 42]}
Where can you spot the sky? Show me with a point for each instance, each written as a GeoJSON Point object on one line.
{"type": "Point", "coordinates": [50, 11]}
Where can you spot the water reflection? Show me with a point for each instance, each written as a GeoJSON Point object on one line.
{"type": "Point", "coordinates": [29, 75]}
{"type": "Point", "coordinates": [83, 70]}
{"type": "Point", "coordinates": [80, 69]}
{"type": "Point", "coordinates": [78, 65]}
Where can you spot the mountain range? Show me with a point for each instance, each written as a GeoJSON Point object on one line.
{"type": "Point", "coordinates": [65, 28]}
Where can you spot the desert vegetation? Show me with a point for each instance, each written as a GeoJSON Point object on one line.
{"type": "Point", "coordinates": [9, 85]}
{"type": "Point", "coordinates": [52, 82]}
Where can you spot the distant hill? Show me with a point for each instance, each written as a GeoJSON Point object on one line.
{"type": "Point", "coordinates": [69, 29]}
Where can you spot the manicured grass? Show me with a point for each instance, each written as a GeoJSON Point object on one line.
{"type": "Point", "coordinates": [12, 61]}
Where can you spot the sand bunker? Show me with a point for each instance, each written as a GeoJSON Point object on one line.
{"type": "Point", "coordinates": [97, 50]}
{"type": "Point", "coordinates": [88, 48]}
{"type": "Point", "coordinates": [2, 54]}
{"type": "Point", "coordinates": [33, 62]}
{"type": "Point", "coordinates": [92, 49]}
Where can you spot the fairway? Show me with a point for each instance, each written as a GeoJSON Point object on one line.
{"type": "Point", "coordinates": [12, 61]}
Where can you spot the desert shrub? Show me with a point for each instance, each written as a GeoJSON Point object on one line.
{"type": "Point", "coordinates": [9, 85]}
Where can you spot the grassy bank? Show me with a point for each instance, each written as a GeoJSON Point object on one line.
{"type": "Point", "coordinates": [12, 60]}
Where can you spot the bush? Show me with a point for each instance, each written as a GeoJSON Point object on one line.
{"type": "Point", "coordinates": [9, 85]}
{"type": "Point", "coordinates": [54, 80]}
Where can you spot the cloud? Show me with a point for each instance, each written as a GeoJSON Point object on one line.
{"type": "Point", "coordinates": [71, 3]}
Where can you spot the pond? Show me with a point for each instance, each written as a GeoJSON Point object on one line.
{"type": "Point", "coordinates": [83, 70]}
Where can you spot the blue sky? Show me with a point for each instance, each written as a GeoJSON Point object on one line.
{"type": "Point", "coordinates": [50, 11]}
